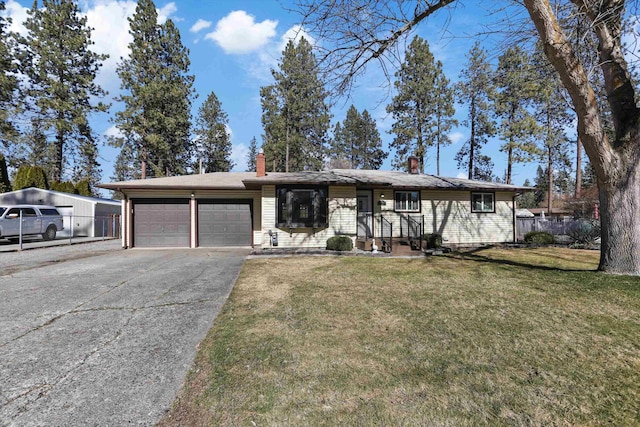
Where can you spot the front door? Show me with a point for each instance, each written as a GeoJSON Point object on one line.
{"type": "Point", "coordinates": [365, 214]}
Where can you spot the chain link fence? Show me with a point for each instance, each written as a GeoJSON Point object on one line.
{"type": "Point", "coordinates": [75, 227]}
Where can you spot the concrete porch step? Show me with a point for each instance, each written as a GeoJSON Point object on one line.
{"type": "Point", "coordinates": [399, 246]}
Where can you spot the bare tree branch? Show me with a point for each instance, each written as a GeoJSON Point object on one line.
{"type": "Point", "coordinates": [574, 78]}
{"type": "Point", "coordinates": [620, 91]}
{"type": "Point", "coordinates": [354, 33]}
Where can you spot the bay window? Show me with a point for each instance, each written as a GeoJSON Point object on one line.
{"type": "Point", "coordinates": [299, 207]}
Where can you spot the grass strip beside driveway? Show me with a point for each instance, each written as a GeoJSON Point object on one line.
{"type": "Point", "coordinates": [500, 337]}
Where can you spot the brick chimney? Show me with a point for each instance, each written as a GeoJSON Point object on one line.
{"type": "Point", "coordinates": [414, 165]}
{"type": "Point", "coordinates": [261, 164]}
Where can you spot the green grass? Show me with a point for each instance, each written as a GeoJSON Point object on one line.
{"type": "Point", "coordinates": [495, 337]}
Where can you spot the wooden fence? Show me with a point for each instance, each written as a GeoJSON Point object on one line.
{"type": "Point", "coordinates": [555, 227]}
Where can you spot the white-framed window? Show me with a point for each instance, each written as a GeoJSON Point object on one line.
{"type": "Point", "coordinates": [407, 201]}
{"type": "Point", "coordinates": [483, 202]}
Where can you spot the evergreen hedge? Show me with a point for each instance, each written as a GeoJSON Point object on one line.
{"type": "Point", "coordinates": [64, 187]}
{"type": "Point", "coordinates": [539, 238]}
{"type": "Point", "coordinates": [30, 176]}
{"type": "Point", "coordinates": [5, 184]}
{"type": "Point", "coordinates": [83, 188]}
{"type": "Point", "coordinates": [339, 243]}
{"type": "Point", "coordinates": [434, 240]}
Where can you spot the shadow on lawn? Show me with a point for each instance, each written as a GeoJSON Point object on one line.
{"type": "Point", "coordinates": [474, 255]}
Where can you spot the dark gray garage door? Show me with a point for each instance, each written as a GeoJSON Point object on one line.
{"type": "Point", "coordinates": [225, 223]}
{"type": "Point", "coordinates": [161, 223]}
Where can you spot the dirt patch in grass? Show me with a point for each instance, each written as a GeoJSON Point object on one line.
{"type": "Point", "coordinates": [500, 337]}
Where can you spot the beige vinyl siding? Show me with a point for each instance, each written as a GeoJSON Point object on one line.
{"type": "Point", "coordinates": [449, 213]}
{"type": "Point", "coordinates": [385, 210]}
{"type": "Point", "coordinates": [342, 220]}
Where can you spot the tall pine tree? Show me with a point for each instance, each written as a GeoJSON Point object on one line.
{"type": "Point", "coordinates": [475, 89]}
{"type": "Point", "coordinates": [295, 116]}
{"type": "Point", "coordinates": [8, 82]}
{"type": "Point", "coordinates": [178, 152]}
{"type": "Point", "coordinates": [5, 183]}
{"type": "Point", "coordinates": [155, 122]}
{"type": "Point", "coordinates": [553, 115]}
{"type": "Point", "coordinates": [213, 144]}
{"type": "Point", "coordinates": [356, 142]}
{"type": "Point", "coordinates": [443, 111]}
{"type": "Point", "coordinates": [60, 72]}
{"type": "Point", "coordinates": [516, 87]}
{"type": "Point", "coordinates": [85, 165]}
{"type": "Point", "coordinates": [252, 154]}
{"type": "Point", "coordinates": [372, 152]}
{"type": "Point", "coordinates": [342, 147]}
{"type": "Point", "coordinates": [414, 107]}
{"type": "Point", "coordinates": [126, 165]}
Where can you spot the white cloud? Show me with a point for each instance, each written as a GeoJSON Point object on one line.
{"type": "Point", "coordinates": [238, 33]}
{"type": "Point", "coordinates": [200, 25]}
{"type": "Point", "coordinates": [113, 131]}
{"type": "Point", "coordinates": [259, 67]}
{"type": "Point", "coordinates": [108, 18]}
{"type": "Point", "coordinates": [18, 15]}
{"type": "Point", "coordinates": [166, 11]}
{"type": "Point", "coordinates": [295, 33]}
{"type": "Point", "coordinates": [111, 36]}
{"type": "Point", "coordinates": [239, 154]}
{"type": "Point", "coordinates": [462, 175]}
{"type": "Point", "coordinates": [456, 137]}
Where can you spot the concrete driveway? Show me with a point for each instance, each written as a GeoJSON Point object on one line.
{"type": "Point", "coordinates": [97, 337]}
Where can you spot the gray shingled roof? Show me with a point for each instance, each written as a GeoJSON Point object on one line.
{"type": "Point", "coordinates": [378, 178]}
{"type": "Point", "coordinates": [365, 178]}
{"type": "Point", "coordinates": [214, 180]}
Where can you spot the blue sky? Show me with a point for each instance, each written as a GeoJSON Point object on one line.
{"type": "Point", "coordinates": [235, 43]}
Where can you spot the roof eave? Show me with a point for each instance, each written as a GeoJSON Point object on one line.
{"type": "Point", "coordinates": [122, 188]}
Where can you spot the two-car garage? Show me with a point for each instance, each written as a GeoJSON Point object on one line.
{"type": "Point", "coordinates": [168, 222]}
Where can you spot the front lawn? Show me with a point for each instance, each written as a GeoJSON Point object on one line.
{"type": "Point", "coordinates": [499, 337]}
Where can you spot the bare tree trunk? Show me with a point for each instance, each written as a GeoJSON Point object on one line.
{"type": "Point", "coordinates": [472, 140]}
{"type": "Point", "coordinates": [438, 159]}
{"type": "Point", "coordinates": [550, 190]}
{"type": "Point", "coordinates": [143, 164]}
{"type": "Point", "coordinates": [420, 151]}
{"type": "Point", "coordinates": [286, 165]}
{"type": "Point", "coordinates": [578, 168]}
{"type": "Point", "coordinates": [619, 207]}
{"type": "Point", "coordinates": [286, 154]}
{"type": "Point", "coordinates": [616, 163]}
{"type": "Point", "coordinates": [509, 163]}
{"type": "Point", "coordinates": [57, 171]}
{"type": "Point", "coordinates": [438, 149]}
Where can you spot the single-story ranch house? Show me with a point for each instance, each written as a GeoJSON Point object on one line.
{"type": "Point", "coordinates": [304, 209]}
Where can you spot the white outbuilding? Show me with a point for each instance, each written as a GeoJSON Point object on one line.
{"type": "Point", "coordinates": [82, 215]}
